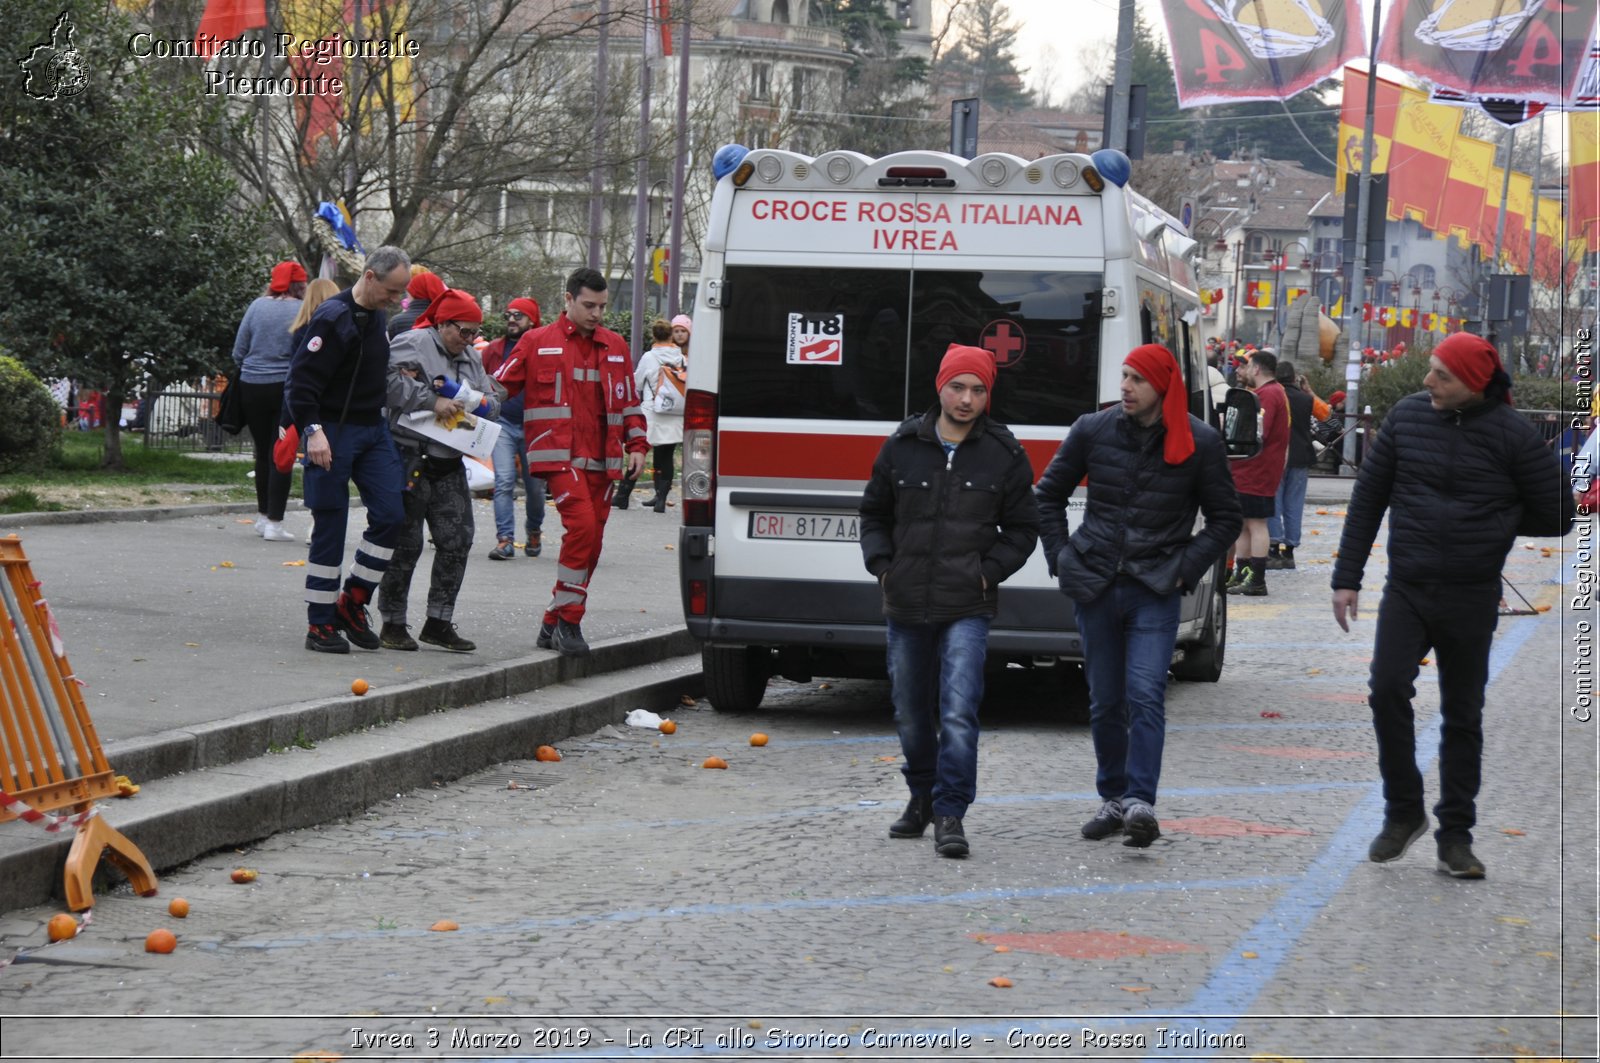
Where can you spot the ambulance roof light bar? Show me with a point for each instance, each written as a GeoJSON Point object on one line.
{"type": "Point", "coordinates": [920, 169]}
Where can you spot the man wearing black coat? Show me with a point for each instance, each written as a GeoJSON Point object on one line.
{"type": "Point", "coordinates": [947, 516]}
{"type": "Point", "coordinates": [1151, 467]}
{"type": "Point", "coordinates": [1462, 475]}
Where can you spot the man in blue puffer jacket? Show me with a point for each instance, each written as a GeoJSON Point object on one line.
{"type": "Point", "coordinates": [1151, 467]}
{"type": "Point", "coordinates": [1462, 475]}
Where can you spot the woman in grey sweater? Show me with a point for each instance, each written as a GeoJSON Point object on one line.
{"type": "Point", "coordinates": [262, 349]}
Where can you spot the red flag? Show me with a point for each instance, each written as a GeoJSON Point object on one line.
{"type": "Point", "coordinates": [225, 20]}
{"type": "Point", "coordinates": [1224, 51]}
{"type": "Point", "coordinates": [1525, 51]}
{"type": "Point", "coordinates": [664, 24]}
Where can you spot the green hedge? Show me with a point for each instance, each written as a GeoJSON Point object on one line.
{"type": "Point", "coordinates": [30, 429]}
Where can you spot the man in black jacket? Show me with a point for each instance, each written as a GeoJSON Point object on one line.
{"type": "Point", "coordinates": [1462, 476]}
{"type": "Point", "coordinates": [335, 393]}
{"type": "Point", "coordinates": [1150, 466]}
{"type": "Point", "coordinates": [947, 516]}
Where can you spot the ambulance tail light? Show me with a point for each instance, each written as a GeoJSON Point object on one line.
{"type": "Point", "coordinates": [699, 459]}
{"type": "Point", "coordinates": [699, 601]}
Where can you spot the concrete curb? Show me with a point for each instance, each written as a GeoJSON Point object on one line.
{"type": "Point", "coordinates": [187, 816]}
{"type": "Point", "coordinates": [136, 513]}
{"type": "Point", "coordinates": [248, 735]}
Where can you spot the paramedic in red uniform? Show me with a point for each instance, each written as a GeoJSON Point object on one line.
{"type": "Point", "coordinates": [583, 430]}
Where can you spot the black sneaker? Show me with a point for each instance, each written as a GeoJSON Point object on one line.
{"type": "Point", "coordinates": [1139, 825]}
{"type": "Point", "coordinates": [396, 637]}
{"type": "Point", "coordinates": [1395, 838]}
{"type": "Point", "coordinates": [1286, 555]}
{"type": "Point", "coordinates": [1256, 588]}
{"type": "Point", "coordinates": [436, 632]}
{"type": "Point", "coordinates": [948, 837]}
{"type": "Point", "coordinates": [504, 550]}
{"type": "Point", "coordinates": [546, 639]}
{"type": "Point", "coordinates": [324, 638]}
{"type": "Point", "coordinates": [533, 547]}
{"type": "Point", "coordinates": [1241, 579]}
{"type": "Point", "coordinates": [350, 617]}
{"type": "Point", "coordinates": [568, 640]}
{"type": "Point", "coordinates": [915, 819]}
{"type": "Point", "coordinates": [1457, 861]}
{"type": "Point", "coordinates": [1106, 822]}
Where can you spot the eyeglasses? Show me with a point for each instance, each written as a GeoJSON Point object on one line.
{"type": "Point", "coordinates": [515, 313]}
{"type": "Point", "coordinates": [466, 333]}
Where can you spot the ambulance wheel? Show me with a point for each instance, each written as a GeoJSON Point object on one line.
{"type": "Point", "coordinates": [736, 676]}
{"type": "Point", "coordinates": [1202, 661]}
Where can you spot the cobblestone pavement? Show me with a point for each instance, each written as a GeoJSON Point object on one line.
{"type": "Point", "coordinates": [626, 892]}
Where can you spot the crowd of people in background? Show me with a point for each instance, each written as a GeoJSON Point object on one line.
{"type": "Point", "coordinates": [331, 371]}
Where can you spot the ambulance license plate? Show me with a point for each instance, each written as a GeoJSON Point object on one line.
{"type": "Point", "coordinates": [828, 527]}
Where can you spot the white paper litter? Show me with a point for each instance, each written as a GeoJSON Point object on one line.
{"type": "Point", "coordinates": [643, 718]}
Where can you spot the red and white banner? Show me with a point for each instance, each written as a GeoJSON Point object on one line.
{"type": "Point", "coordinates": [1224, 51]}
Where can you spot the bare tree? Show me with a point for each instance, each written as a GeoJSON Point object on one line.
{"type": "Point", "coordinates": [499, 93]}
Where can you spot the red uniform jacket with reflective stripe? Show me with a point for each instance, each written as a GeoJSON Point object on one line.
{"type": "Point", "coordinates": [547, 368]}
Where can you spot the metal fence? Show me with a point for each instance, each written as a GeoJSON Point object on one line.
{"type": "Point", "coordinates": [1554, 427]}
{"type": "Point", "coordinates": [186, 420]}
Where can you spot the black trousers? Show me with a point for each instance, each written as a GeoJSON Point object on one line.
{"type": "Point", "coordinates": [661, 461]}
{"type": "Point", "coordinates": [262, 405]}
{"type": "Point", "coordinates": [1457, 622]}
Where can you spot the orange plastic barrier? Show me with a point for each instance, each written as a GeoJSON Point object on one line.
{"type": "Point", "coordinates": [50, 756]}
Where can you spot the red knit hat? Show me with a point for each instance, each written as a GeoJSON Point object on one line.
{"type": "Point", "coordinates": [285, 274]}
{"type": "Point", "coordinates": [526, 306]}
{"type": "Point", "coordinates": [1157, 365]}
{"type": "Point", "coordinates": [1470, 360]}
{"type": "Point", "coordinates": [974, 360]}
{"type": "Point", "coordinates": [452, 304]}
{"type": "Point", "coordinates": [425, 286]}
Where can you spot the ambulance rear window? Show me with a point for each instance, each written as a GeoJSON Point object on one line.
{"type": "Point", "coordinates": [814, 343]}
{"type": "Point", "coordinates": [1043, 329]}
{"type": "Point", "coordinates": [865, 345]}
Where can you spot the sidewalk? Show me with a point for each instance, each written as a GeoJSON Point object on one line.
{"type": "Point", "coordinates": [187, 634]}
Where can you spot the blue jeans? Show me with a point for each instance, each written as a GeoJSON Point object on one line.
{"type": "Point", "coordinates": [1128, 632]}
{"type": "Point", "coordinates": [1284, 525]}
{"type": "Point", "coordinates": [505, 459]}
{"type": "Point", "coordinates": [936, 678]}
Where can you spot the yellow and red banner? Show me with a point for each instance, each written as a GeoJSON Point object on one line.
{"type": "Point", "coordinates": [1412, 142]}
{"type": "Point", "coordinates": [1583, 164]}
{"type": "Point", "coordinates": [1352, 120]}
{"type": "Point", "coordinates": [1224, 51]}
{"type": "Point", "coordinates": [1466, 188]}
{"type": "Point", "coordinates": [1258, 294]}
{"type": "Point", "coordinates": [1520, 49]}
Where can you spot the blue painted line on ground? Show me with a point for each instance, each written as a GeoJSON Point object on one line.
{"type": "Point", "coordinates": [1236, 983]}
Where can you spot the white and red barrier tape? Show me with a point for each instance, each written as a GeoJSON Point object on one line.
{"type": "Point", "coordinates": [51, 824]}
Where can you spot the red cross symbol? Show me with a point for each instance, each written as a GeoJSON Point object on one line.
{"type": "Point", "coordinates": [1006, 341]}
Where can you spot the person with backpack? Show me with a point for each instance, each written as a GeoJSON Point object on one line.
{"type": "Point", "coordinates": [661, 379]}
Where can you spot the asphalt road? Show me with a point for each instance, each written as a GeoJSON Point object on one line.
{"type": "Point", "coordinates": [626, 893]}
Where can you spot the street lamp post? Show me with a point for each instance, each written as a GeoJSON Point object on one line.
{"type": "Point", "coordinates": [1220, 246]}
{"type": "Point", "coordinates": [1279, 316]}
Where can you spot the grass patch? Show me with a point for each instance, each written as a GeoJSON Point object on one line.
{"type": "Point", "coordinates": [78, 464]}
{"type": "Point", "coordinates": [26, 501]}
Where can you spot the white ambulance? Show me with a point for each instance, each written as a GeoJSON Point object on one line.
{"type": "Point", "coordinates": [831, 287]}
